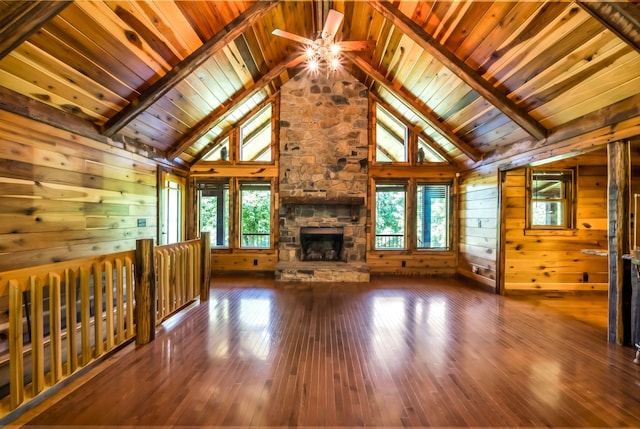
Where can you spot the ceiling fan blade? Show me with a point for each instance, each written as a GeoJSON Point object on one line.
{"type": "Point", "coordinates": [360, 45]}
{"type": "Point", "coordinates": [331, 25]}
{"type": "Point", "coordinates": [291, 36]}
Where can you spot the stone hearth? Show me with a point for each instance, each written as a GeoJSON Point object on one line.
{"type": "Point", "coordinates": [323, 174]}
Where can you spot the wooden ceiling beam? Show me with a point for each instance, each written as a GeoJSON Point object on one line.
{"type": "Point", "coordinates": [420, 108]}
{"type": "Point", "coordinates": [592, 131]}
{"type": "Point", "coordinates": [188, 66]}
{"type": "Point", "coordinates": [459, 68]}
{"type": "Point", "coordinates": [25, 18]}
{"type": "Point", "coordinates": [217, 115]}
{"type": "Point", "coordinates": [621, 18]}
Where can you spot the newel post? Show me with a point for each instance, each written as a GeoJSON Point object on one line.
{"type": "Point", "coordinates": [205, 241]}
{"type": "Point", "coordinates": [145, 292]}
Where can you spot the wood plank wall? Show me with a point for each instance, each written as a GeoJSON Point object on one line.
{"type": "Point", "coordinates": [478, 226]}
{"type": "Point", "coordinates": [553, 260]}
{"type": "Point", "coordinates": [63, 196]}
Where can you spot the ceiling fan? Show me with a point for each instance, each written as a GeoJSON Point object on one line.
{"type": "Point", "coordinates": [324, 48]}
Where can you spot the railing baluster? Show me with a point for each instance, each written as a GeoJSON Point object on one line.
{"type": "Point", "coordinates": [119, 302]}
{"type": "Point", "coordinates": [16, 360]}
{"type": "Point", "coordinates": [108, 292]}
{"type": "Point", "coordinates": [55, 328]}
{"type": "Point", "coordinates": [37, 335]}
{"type": "Point", "coordinates": [129, 296]}
{"type": "Point", "coordinates": [70, 280]}
{"type": "Point", "coordinates": [98, 342]}
{"type": "Point", "coordinates": [85, 315]}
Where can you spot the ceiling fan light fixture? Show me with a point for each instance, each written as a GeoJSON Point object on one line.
{"type": "Point", "coordinates": [313, 65]}
{"type": "Point", "coordinates": [334, 63]}
{"type": "Point", "coordinates": [310, 52]}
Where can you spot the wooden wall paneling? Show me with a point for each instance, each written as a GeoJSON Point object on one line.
{"type": "Point", "coordinates": [65, 196]}
{"type": "Point", "coordinates": [553, 260]}
{"type": "Point", "coordinates": [478, 227]}
{"type": "Point", "coordinates": [244, 261]}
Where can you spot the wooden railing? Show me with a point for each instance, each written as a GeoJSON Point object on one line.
{"type": "Point", "coordinates": [63, 316]}
{"type": "Point", "coordinates": [178, 276]}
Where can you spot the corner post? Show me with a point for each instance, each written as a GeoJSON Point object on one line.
{"type": "Point", "coordinates": [145, 292]}
{"type": "Point", "coordinates": [618, 196]}
{"type": "Point", "coordinates": [205, 241]}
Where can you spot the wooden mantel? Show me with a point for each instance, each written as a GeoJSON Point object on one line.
{"type": "Point", "coordinates": [354, 202]}
{"type": "Point", "coordinates": [309, 200]}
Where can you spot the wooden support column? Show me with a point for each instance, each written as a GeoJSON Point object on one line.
{"type": "Point", "coordinates": [205, 240]}
{"type": "Point", "coordinates": [145, 291]}
{"type": "Point", "coordinates": [618, 195]}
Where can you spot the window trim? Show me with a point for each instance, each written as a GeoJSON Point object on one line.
{"type": "Point", "coordinates": [238, 213]}
{"type": "Point", "coordinates": [569, 202]}
{"type": "Point", "coordinates": [200, 185]}
{"type": "Point", "coordinates": [407, 213]}
{"type": "Point", "coordinates": [407, 137]}
{"type": "Point", "coordinates": [449, 211]}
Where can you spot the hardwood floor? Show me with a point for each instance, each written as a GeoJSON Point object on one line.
{"type": "Point", "coordinates": [396, 352]}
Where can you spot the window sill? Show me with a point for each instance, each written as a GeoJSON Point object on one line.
{"type": "Point", "coordinates": [552, 232]}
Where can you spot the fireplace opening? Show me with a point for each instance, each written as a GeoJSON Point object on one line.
{"type": "Point", "coordinates": [322, 244]}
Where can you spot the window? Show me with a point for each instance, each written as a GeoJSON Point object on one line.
{"type": "Point", "coordinates": [214, 212]}
{"type": "Point", "coordinates": [220, 152]}
{"type": "Point", "coordinates": [391, 137]}
{"type": "Point", "coordinates": [255, 137]}
{"type": "Point", "coordinates": [551, 198]}
{"type": "Point", "coordinates": [255, 215]}
{"type": "Point", "coordinates": [390, 213]}
{"type": "Point", "coordinates": [171, 209]}
{"type": "Point", "coordinates": [432, 216]}
{"type": "Point", "coordinates": [427, 154]}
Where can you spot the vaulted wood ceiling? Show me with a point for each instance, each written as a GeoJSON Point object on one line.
{"type": "Point", "coordinates": [479, 79]}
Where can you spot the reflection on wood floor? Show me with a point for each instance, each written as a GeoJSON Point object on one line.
{"type": "Point", "coordinates": [396, 352]}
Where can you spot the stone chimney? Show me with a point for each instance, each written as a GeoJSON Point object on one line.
{"type": "Point", "coordinates": [323, 172]}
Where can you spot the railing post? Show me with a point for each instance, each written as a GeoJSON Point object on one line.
{"type": "Point", "coordinates": [205, 240]}
{"type": "Point", "coordinates": [145, 292]}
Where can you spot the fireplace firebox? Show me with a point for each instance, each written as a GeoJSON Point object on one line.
{"type": "Point", "coordinates": [322, 244]}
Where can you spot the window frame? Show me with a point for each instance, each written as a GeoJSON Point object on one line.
{"type": "Point", "coordinates": [448, 211]}
{"type": "Point", "coordinates": [407, 137]}
{"type": "Point", "coordinates": [199, 190]}
{"type": "Point", "coordinates": [406, 220]}
{"type": "Point", "coordinates": [239, 138]}
{"type": "Point", "coordinates": [234, 137]}
{"type": "Point", "coordinates": [238, 199]}
{"type": "Point", "coordinates": [569, 187]}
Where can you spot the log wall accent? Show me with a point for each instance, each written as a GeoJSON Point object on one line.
{"type": "Point", "coordinates": [555, 260]}
{"type": "Point", "coordinates": [478, 227]}
{"type": "Point", "coordinates": [618, 196]}
{"type": "Point", "coordinates": [65, 196]}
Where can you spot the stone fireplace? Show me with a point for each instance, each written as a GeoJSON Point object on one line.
{"type": "Point", "coordinates": [322, 244]}
{"type": "Point", "coordinates": [323, 179]}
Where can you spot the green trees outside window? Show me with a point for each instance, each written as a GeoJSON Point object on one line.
{"type": "Point", "coordinates": [390, 216]}
{"type": "Point", "coordinates": [255, 215]}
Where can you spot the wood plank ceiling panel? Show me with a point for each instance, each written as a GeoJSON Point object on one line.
{"type": "Point", "coordinates": [206, 88]}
